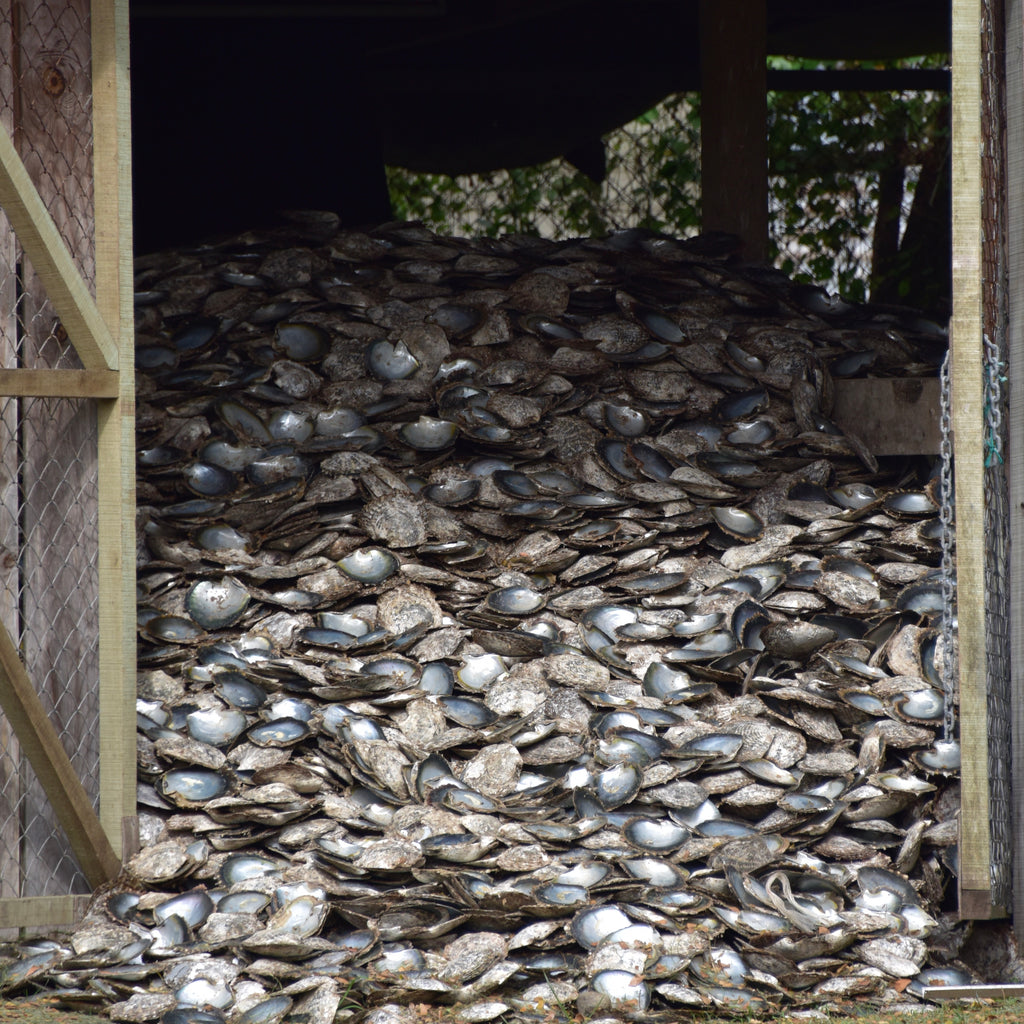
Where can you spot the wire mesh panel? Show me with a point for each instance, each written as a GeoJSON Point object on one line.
{"type": "Point", "coordinates": [997, 505]}
{"type": "Point", "coordinates": [845, 171]}
{"type": "Point", "coordinates": [648, 177]}
{"type": "Point", "coordinates": [49, 599]}
{"type": "Point", "coordinates": [49, 107]}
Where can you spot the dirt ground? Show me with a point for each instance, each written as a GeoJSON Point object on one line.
{"type": "Point", "coordinates": [42, 1011]}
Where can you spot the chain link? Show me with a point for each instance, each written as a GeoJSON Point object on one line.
{"type": "Point", "coordinates": [947, 541]}
{"type": "Point", "coordinates": [994, 380]}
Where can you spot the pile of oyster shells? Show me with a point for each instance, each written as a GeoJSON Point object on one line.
{"type": "Point", "coordinates": [520, 638]}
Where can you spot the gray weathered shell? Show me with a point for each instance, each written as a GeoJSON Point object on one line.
{"type": "Point", "coordinates": [217, 604]}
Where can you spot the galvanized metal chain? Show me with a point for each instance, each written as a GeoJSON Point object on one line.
{"type": "Point", "coordinates": [994, 380]}
{"type": "Point", "coordinates": [947, 573]}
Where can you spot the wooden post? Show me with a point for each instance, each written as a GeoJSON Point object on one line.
{"type": "Point", "coordinates": [114, 299]}
{"type": "Point", "coordinates": [975, 884]}
{"type": "Point", "coordinates": [734, 122]}
{"type": "Point", "coordinates": [1015, 433]}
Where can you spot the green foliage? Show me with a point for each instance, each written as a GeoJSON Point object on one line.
{"type": "Point", "coordinates": [828, 152]}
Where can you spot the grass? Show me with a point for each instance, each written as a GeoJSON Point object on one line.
{"type": "Point", "coordinates": [992, 1011]}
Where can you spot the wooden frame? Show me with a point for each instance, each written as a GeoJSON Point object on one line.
{"type": "Point", "coordinates": [100, 331]}
{"type": "Point", "coordinates": [967, 362]}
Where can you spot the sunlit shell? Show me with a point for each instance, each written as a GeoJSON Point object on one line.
{"type": "Point", "coordinates": [657, 837]}
{"type": "Point", "coordinates": [617, 785]}
{"type": "Point", "coordinates": [515, 601]}
{"type": "Point", "coordinates": [942, 756]}
{"type": "Point", "coordinates": [921, 705]}
{"type": "Point", "coordinates": [218, 727]}
{"type": "Point", "coordinates": [922, 598]}
{"type": "Point", "coordinates": [193, 785]}
{"type": "Point", "coordinates": [281, 732]}
{"type": "Point", "coordinates": [245, 867]}
{"type": "Point", "coordinates": [369, 565]}
{"type": "Point", "coordinates": [243, 902]}
{"type": "Point", "coordinates": [217, 604]}
{"type": "Point", "coordinates": [478, 672]}
{"type": "Point", "coordinates": [654, 871]}
{"type": "Point", "coordinates": [625, 991]}
{"type": "Point", "coordinates": [722, 745]}
{"type": "Point", "coordinates": [561, 894]}
{"type": "Point", "coordinates": [591, 927]}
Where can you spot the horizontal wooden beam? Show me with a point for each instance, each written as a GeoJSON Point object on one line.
{"type": "Point", "coordinates": [43, 911]}
{"type": "Point", "coordinates": [42, 746]}
{"type": "Point", "coordinates": [891, 415]}
{"type": "Point", "coordinates": [43, 245]}
{"type": "Point", "coordinates": [248, 9]}
{"type": "Point", "coordinates": [580, 78]}
{"type": "Point", "coordinates": [947, 993]}
{"type": "Point", "coordinates": [59, 383]}
{"type": "Point", "coordinates": [859, 80]}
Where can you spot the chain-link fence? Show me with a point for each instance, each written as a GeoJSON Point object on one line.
{"type": "Point", "coordinates": [995, 319]}
{"type": "Point", "coordinates": [48, 446]}
{"type": "Point", "coordinates": [845, 170]}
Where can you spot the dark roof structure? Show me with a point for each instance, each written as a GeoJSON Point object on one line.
{"type": "Point", "coordinates": [237, 102]}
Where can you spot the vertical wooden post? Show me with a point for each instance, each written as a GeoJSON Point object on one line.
{"type": "Point", "coordinates": [975, 884]}
{"type": "Point", "coordinates": [114, 291]}
{"type": "Point", "coordinates": [1015, 439]}
{"type": "Point", "coordinates": [734, 121]}
{"type": "Point", "coordinates": [11, 779]}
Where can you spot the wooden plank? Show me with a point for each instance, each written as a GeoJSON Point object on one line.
{"type": "Point", "coordinates": [59, 383]}
{"type": "Point", "coordinates": [978, 905]}
{"type": "Point", "coordinates": [48, 911]}
{"type": "Point", "coordinates": [114, 297]}
{"type": "Point", "coordinates": [947, 993]}
{"type": "Point", "coordinates": [734, 122]}
{"type": "Point", "coordinates": [974, 877]}
{"type": "Point", "coordinates": [892, 416]}
{"type": "Point", "coordinates": [50, 258]}
{"type": "Point", "coordinates": [1014, 13]}
{"type": "Point", "coordinates": [53, 768]}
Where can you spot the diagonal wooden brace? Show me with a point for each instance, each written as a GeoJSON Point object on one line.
{"type": "Point", "coordinates": [36, 232]}
{"type": "Point", "coordinates": [40, 742]}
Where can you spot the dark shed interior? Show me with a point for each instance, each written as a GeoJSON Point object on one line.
{"type": "Point", "coordinates": [242, 109]}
